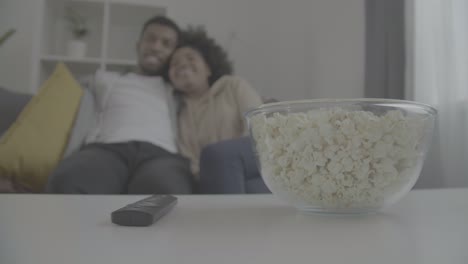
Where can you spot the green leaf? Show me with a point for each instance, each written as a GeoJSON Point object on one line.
{"type": "Point", "coordinates": [7, 35]}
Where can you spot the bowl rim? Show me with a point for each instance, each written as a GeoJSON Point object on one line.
{"type": "Point", "coordinates": [290, 104]}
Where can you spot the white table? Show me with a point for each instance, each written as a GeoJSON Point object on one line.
{"type": "Point", "coordinates": [427, 227]}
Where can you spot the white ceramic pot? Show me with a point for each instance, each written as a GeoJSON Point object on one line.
{"type": "Point", "coordinates": [76, 48]}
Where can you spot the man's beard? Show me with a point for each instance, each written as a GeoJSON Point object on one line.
{"type": "Point", "coordinates": [151, 71]}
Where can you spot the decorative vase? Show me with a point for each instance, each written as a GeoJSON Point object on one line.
{"type": "Point", "coordinates": [76, 48]}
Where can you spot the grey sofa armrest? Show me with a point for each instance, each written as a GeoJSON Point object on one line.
{"type": "Point", "coordinates": [11, 105]}
{"type": "Point", "coordinates": [229, 167]}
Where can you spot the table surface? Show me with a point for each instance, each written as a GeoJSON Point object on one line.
{"type": "Point", "coordinates": [427, 226]}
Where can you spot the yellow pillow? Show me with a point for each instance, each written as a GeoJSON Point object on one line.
{"type": "Point", "coordinates": [34, 144]}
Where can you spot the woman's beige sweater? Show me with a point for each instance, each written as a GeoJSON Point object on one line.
{"type": "Point", "coordinates": [215, 116]}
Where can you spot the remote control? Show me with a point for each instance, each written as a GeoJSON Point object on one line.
{"type": "Point", "coordinates": [144, 212]}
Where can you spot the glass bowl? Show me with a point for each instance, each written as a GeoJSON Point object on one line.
{"type": "Point", "coordinates": [341, 155]}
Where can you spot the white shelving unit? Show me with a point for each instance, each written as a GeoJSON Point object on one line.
{"type": "Point", "coordinates": [114, 28]}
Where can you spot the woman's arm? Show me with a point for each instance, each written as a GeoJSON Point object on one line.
{"type": "Point", "coordinates": [247, 98]}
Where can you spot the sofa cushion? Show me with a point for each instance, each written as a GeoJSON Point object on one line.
{"type": "Point", "coordinates": [9, 186]}
{"type": "Point", "coordinates": [34, 144]}
{"type": "Point", "coordinates": [85, 119]}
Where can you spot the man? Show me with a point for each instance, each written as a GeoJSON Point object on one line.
{"type": "Point", "coordinates": [132, 149]}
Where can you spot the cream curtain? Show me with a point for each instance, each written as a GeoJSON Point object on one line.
{"type": "Point", "coordinates": [437, 60]}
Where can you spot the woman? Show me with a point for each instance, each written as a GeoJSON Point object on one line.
{"type": "Point", "coordinates": [213, 101]}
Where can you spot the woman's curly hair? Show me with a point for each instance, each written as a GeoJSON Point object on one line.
{"type": "Point", "coordinates": [214, 55]}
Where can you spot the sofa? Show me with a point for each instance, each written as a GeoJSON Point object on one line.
{"type": "Point", "coordinates": [11, 105]}
{"type": "Point", "coordinates": [226, 167]}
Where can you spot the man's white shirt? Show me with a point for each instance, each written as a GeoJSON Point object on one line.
{"type": "Point", "coordinates": [133, 107]}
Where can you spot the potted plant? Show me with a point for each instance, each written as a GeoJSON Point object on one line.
{"type": "Point", "coordinates": [6, 36]}
{"type": "Point", "coordinates": [77, 23]}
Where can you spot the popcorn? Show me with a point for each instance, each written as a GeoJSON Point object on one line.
{"type": "Point", "coordinates": [337, 158]}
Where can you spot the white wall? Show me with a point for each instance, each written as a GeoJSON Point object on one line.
{"type": "Point", "coordinates": [287, 49]}
{"type": "Point", "coordinates": [16, 53]}
{"type": "Point", "coordinates": [338, 41]}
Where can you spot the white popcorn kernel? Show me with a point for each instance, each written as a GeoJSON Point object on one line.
{"type": "Point", "coordinates": [334, 167]}
{"type": "Point", "coordinates": [347, 164]}
{"type": "Point", "coordinates": [380, 150]}
{"type": "Point", "coordinates": [330, 151]}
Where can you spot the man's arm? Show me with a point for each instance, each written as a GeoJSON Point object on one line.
{"type": "Point", "coordinates": [99, 85]}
